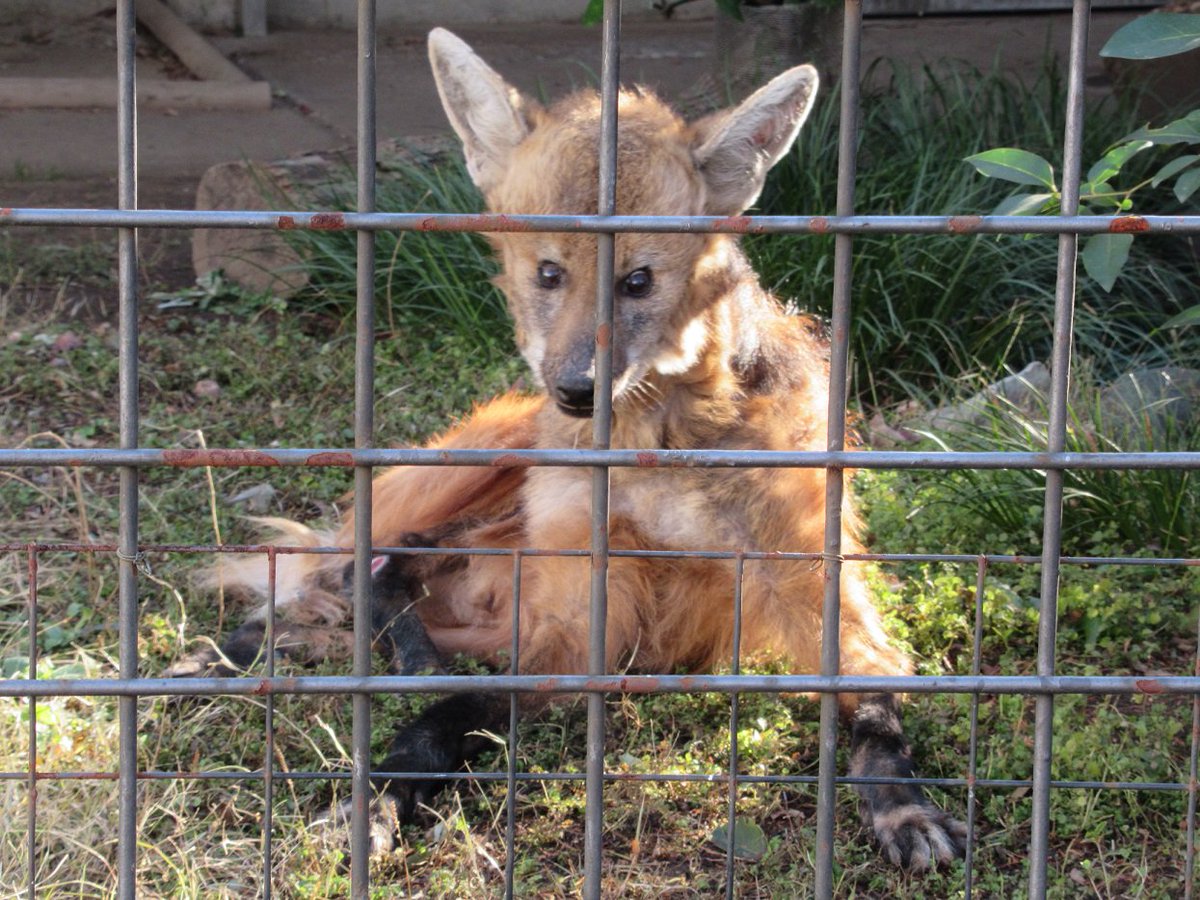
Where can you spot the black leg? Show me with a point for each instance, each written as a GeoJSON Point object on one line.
{"type": "Point", "coordinates": [397, 629]}
{"type": "Point", "coordinates": [241, 649]}
{"type": "Point", "coordinates": [442, 739]}
{"type": "Point", "coordinates": [911, 831]}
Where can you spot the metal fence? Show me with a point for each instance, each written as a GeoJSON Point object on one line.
{"type": "Point", "coordinates": [130, 459]}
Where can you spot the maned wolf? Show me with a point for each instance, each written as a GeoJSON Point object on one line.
{"type": "Point", "coordinates": [702, 357]}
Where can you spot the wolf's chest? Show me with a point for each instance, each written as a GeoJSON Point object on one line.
{"type": "Point", "coordinates": [669, 509]}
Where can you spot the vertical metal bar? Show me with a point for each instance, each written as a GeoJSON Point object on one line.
{"type": "Point", "coordinates": [601, 439]}
{"type": "Point", "coordinates": [364, 426]}
{"type": "Point", "coordinates": [269, 727]}
{"type": "Point", "coordinates": [973, 751]}
{"type": "Point", "coordinates": [33, 661]}
{"type": "Point", "coordinates": [510, 800]}
{"type": "Point", "coordinates": [1189, 861]}
{"type": "Point", "coordinates": [127, 533]}
{"type": "Point", "coordinates": [736, 668]}
{"type": "Point", "coordinates": [834, 488]}
{"type": "Point", "coordinates": [1064, 309]}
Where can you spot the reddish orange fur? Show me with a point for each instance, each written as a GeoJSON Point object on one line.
{"type": "Point", "coordinates": [709, 360]}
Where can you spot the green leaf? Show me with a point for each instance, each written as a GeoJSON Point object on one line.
{"type": "Point", "coordinates": [1187, 184]}
{"type": "Point", "coordinates": [1171, 168]}
{"type": "Point", "coordinates": [1187, 317]}
{"type": "Point", "coordinates": [749, 841]}
{"type": "Point", "coordinates": [1182, 131]}
{"type": "Point", "coordinates": [1110, 163]}
{"type": "Point", "coordinates": [1155, 36]}
{"type": "Point", "coordinates": [594, 14]}
{"type": "Point", "coordinates": [1104, 256]}
{"type": "Point", "coordinates": [1023, 205]}
{"type": "Point", "coordinates": [1016, 165]}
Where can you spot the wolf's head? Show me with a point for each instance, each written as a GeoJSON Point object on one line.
{"type": "Point", "coordinates": [529, 159]}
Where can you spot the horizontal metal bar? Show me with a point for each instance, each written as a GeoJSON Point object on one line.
{"type": "Point", "coordinates": [775, 555]}
{"type": "Point", "coordinates": [609, 775]}
{"type": "Point", "coordinates": [646, 459]}
{"type": "Point", "coordinates": [614, 684]}
{"type": "Point", "coordinates": [500, 222]}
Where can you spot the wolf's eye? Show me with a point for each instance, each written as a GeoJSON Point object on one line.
{"type": "Point", "coordinates": [637, 283]}
{"type": "Point", "coordinates": [549, 274]}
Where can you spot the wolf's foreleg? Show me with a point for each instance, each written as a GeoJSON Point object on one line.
{"type": "Point", "coordinates": [911, 831]}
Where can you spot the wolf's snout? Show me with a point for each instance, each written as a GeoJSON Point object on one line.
{"type": "Point", "coordinates": [574, 395]}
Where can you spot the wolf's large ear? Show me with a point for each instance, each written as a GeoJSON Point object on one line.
{"type": "Point", "coordinates": [487, 112]}
{"type": "Point", "coordinates": [735, 148]}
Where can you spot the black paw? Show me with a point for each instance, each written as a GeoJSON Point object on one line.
{"type": "Point", "coordinates": [241, 650]}
{"type": "Point", "coordinates": [918, 836]}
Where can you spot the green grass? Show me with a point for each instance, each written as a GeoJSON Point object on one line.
{"type": "Point", "coordinates": [291, 375]}
{"type": "Point", "coordinates": [930, 308]}
{"type": "Point", "coordinates": [1135, 511]}
{"type": "Point", "coordinates": [428, 279]}
{"type": "Point", "coordinates": [925, 309]}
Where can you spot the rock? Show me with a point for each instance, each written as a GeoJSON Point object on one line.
{"type": "Point", "coordinates": [253, 258]}
{"type": "Point", "coordinates": [261, 260]}
{"type": "Point", "coordinates": [206, 387]}
{"type": "Point", "coordinates": [67, 341]}
{"type": "Point", "coordinates": [1150, 404]}
{"type": "Point", "coordinates": [258, 499]}
{"type": "Point", "coordinates": [1025, 390]}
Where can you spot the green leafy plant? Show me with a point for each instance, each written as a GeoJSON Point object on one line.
{"type": "Point", "coordinates": [1105, 255]}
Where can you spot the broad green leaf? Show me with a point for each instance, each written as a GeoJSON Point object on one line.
{"type": "Point", "coordinates": [1182, 131]}
{"type": "Point", "coordinates": [1110, 163]}
{"type": "Point", "coordinates": [1012, 164]}
{"type": "Point", "coordinates": [1023, 205]}
{"type": "Point", "coordinates": [1187, 184]}
{"type": "Point", "coordinates": [749, 841]}
{"type": "Point", "coordinates": [1104, 256]}
{"type": "Point", "coordinates": [1187, 317]}
{"type": "Point", "coordinates": [1155, 36]}
{"type": "Point", "coordinates": [1171, 168]}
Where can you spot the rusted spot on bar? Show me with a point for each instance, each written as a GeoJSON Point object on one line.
{"type": "Point", "coordinates": [327, 222]}
{"type": "Point", "coordinates": [603, 335]}
{"type": "Point", "coordinates": [964, 224]}
{"type": "Point", "coordinates": [736, 224]}
{"type": "Point", "coordinates": [332, 458]}
{"type": "Point", "coordinates": [511, 460]}
{"type": "Point", "coordinates": [188, 459]}
{"type": "Point", "coordinates": [285, 223]}
{"type": "Point", "coordinates": [647, 459]}
{"type": "Point", "coordinates": [1149, 686]}
{"type": "Point", "coordinates": [6, 211]}
{"type": "Point", "coordinates": [1128, 225]}
{"type": "Point", "coordinates": [478, 222]}
{"type": "Point", "coordinates": [818, 224]}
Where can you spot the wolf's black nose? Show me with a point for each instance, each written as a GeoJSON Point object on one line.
{"type": "Point", "coordinates": [574, 395]}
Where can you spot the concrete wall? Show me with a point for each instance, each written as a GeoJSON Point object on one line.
{"type": "Point", "coordinates": [224, 15]}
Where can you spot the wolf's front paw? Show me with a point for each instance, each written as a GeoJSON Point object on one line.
{"type": "Point", "coordinates": [205, 663]}
{"type": "Point", "coordinates": [919, 836]}
{"type": "Point", "coordinates": [383, 818]}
